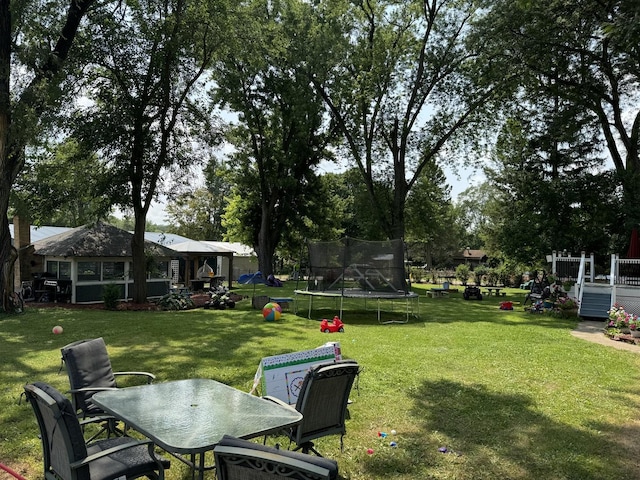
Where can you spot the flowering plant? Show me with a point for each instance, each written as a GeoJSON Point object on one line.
{"type": "Point", "coordinates": [567, 303]}
{"type": "Point", "coordinates": [618, 318]}
{"type": "Point", "coordinates": [556, 292]}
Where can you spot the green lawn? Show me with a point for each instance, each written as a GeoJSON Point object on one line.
{"type": "Point", "coordinates": [512, 395]}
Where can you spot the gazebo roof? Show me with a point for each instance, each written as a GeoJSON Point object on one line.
{"type": "Point", "coordinates": [97, 240]}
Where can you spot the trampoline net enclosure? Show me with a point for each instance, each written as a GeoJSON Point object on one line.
{"type": "Point", "coordinates": [353, 267]}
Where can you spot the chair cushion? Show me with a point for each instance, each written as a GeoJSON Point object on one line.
{"type": "Point", "coordinates": [69, 418]}
{"type": "Point", "coordinates": [330, 465]}
{"type": "Point", "coordinates": [131, 462]}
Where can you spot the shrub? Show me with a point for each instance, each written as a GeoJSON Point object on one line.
{"type": "Point", "coordinates": [462, 273]}
{"type": "Point", "coordinates": [110, 296]}
{"type": "Point", "coordinates": [175, 301]}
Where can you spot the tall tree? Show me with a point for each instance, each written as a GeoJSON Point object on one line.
{"type": "Point", "coordinates": [142, 113]}
{"type": "Point", "coordinates": [27, 47]}
{"type": "Point", "coordinates": [396, 76]}
{"type": "Point", "coordinates": [584, 54]}
{"type": "Point", "coordinates": [546, 195]}
{"type": "Point", "coordinates": [282, 132]}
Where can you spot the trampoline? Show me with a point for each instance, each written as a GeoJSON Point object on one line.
{"type": "Point", "coordinates": [350, 268]}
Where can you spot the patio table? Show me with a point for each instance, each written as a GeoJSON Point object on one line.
{"type": "Point", "coordinates": [188, 418]}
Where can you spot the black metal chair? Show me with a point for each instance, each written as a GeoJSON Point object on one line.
{"type": "Point", "coordinates": [238, 459]}
{"type": "Point", "coordinates": [323, 402]}
{"type": "Point", "coordinates": [67, 457]}
{"type": "Point", "coordinates": [89, 369]}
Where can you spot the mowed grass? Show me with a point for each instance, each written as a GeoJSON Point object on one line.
{"type": "Point", "coordinates": [511, 395]}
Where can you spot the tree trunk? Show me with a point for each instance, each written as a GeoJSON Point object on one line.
{"type": "Point", "coordinates": [139, 260]}
{"type": "Point", "coordinates": [265, 248]}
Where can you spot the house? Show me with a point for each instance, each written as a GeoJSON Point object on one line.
{"type": "Point", "coordinates": [470, 257]}
{"type": "Point", "coordinates": [75, 265]}
{"type": "Point", "coordinates": [228, 259]}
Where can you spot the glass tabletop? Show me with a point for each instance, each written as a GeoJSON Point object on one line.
{"type": "Point", "coordinates": [191, 416]}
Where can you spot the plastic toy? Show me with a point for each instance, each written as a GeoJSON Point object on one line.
{"type": "Point", "coordinates": [272, 312]}
{"type": "Point", "coordinates": [57, 330]}
{"type": "Point", "coordinates": [506, 306]}
{"type": "Point", "coordinates": [335, 325]}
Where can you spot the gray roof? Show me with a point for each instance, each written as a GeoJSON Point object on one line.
{"type": "Point", "coordinates": [97, 240]}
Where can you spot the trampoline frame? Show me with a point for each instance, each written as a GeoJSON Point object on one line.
{"type": "Point", "coordinates": [409, 298]}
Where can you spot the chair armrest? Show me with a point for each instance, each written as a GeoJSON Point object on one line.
{"type": "Point", "coordinates": [112, 450]}
{"type": "Point", "coordinates": [150, 376]}
{"type": "Point", "coordinates": [91, 389]}
{"type": "Point", "coordinates": [278, 401]}
{"type": "Point", "coordinates": [97, 419]}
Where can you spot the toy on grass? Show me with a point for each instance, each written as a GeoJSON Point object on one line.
{"type": "Point", "coordinates": [272, 312]}
{"type": "Point", "coordinates": [506, 306]}
{"type": "Point", "coordinates": [57, 330]}
{"type": "Point", "coordinates": [335, 325]}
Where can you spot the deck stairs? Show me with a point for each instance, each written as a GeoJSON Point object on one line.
{"type": "Point", "coordinates": [596, 301]}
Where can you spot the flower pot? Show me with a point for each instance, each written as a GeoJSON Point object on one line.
{"type": "Point", "coordinates": [635, 333]}
{"type": "Point", "coordinates": [569, 312]}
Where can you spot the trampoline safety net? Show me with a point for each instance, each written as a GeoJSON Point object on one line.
{"type": "Point", "coordinates": [351, 266]}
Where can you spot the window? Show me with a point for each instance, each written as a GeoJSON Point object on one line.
{"type": "Point", "coordinates": [88, 271]}
{"type": "Point", "coordinates": [112, 270]}
{"type": "Point", "coordinates": [159, 270]}
{"type": "Point", "coordinates": [61, 270]}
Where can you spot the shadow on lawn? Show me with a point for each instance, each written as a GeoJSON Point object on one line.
{"type": "Point", "coordinates": [491, 435]}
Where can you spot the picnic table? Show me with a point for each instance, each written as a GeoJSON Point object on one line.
{"type": "Point", "coordinates": [494, 290]}
{"type": "Point", "coordinates": [438, 292]}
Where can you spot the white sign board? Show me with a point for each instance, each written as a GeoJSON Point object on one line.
{"type": "Point", "coordinates": [281, 376]}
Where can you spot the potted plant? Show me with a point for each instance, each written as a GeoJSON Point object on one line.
{"type": "Point", "coordinates": [634, 326]}
{"type": "Point", "coordinates": [568, 306]}
{"type": "Point", "coordinates": [621, 320]}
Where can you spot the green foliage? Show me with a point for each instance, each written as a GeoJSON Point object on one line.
{"type": "Point", "coordinates": [462, 273]}
{"type": "Point", "coordinates": [111, 296]}
{"type": "Point", "coordinates": [281, 136]}
{"type": "Point", "coordinates": [198, 213]}
{"type": "Point", "coordinates": [479, 274]}
{"type": "Point", "coordinates": [574, 85]}
{"type": "Point", "coordinates": [175, 301]}
{"type": "Point", "coordinates": [65, 185]}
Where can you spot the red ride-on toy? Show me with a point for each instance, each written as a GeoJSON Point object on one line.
{"type": "Point", "coordinates": [335, 325]}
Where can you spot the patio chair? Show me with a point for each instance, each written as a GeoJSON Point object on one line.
{"type": "Point", "coordinates": [67, 457]}
{"type": "Point", "coordinates": [323, 402]}
{"type": "Point", "coordinates": [238, 459]}
{"type": "Point", "coordinates": [89, 369]}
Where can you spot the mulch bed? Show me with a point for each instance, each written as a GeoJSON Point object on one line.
{"type": "Point", "coordinates": [198, 299]}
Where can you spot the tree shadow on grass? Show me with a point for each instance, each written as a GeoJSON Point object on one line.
{"type": "Point", "coordinates": [490, 435]}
